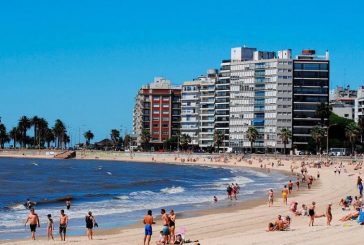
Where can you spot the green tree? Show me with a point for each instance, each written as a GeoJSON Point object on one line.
{"type": "Point", "coordinates": [34, 121]}
{"type": "Point", "coordinates": [285, 135]}
{"type": "Point", "coordinates": [218, 139]}
{"type": "Point", "coordinates": [252, 135]}
{"type": "Point", "coordinates": [15, 135]}
{"type": "Point", "coordinates": [323, 112]}
{"type": "Point", "coordinates": [59, 131]}
{"type": "Point", "coordinates": [317, 133]}
{"type": "Point", "coordinates": [49, 137]}
{"type": "Point", "coordinates": [4, 137]}
{"type": "Point", "coordinates": [127, 141]}
{"type": "Point", "coordinates": [115, 137]}
{"type": "Point", "coordinates": [145, 139]}
{"type": "Point", "coordinates": [184, 140]}
{"type": "Point", "coordinates": [23, 125]}
{"type": "Point", "coordinates": [88, 136]}
{"type": "Point", "coordinates": [41, 132]}
{"type": "Point", "coordinates": [352, 132]}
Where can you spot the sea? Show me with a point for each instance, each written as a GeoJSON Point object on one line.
{"type": "Point", "coordinates": [118, 193]}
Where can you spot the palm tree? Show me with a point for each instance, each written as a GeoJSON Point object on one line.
{"type": "Point", "coordinates": [34, 121]}
{"type": "Point", "coordinates": [126, 141]}
{"type": "Point", "coordinates": [252, 135]}
{"type": "Point", "coordinates": [4, 137]}
{"type": "Point", "coordinates": [285, 136]}
{"type": "Point", "coordinates": [145, 138]}
{"type": "Point", "coordinates": [59, 132]}
{"type": "Point", "coordinates": [48, 136]}
{"type": "Point", "coordinates": [24, 125]}
{"type": "Point", "coordinates": [41, 132]}
{"type": "Point", "coordinates": [184, 140]}
{"type": "Point", "coordinates": [218, 138]}
{"type": "Point", "coordinates": [352, 132]}
{"type": "Point", "coordinates": [15, 135]}
{"type": "Point", "coordinates": [323, 111]}
{"type": "Point", "coordinates": [115, 136]}
{"type": "Point", "coordinates": [88, 136]}
{"type": "Point", "coordinates": [317, 133]}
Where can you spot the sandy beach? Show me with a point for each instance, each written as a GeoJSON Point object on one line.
{"type": "Point", "coordinates": [247, 223]}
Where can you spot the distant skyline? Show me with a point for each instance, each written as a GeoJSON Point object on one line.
{"type": "Point", "coordinates": [84, 61]}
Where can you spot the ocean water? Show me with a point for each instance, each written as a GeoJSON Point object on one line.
{"type": "Point", "coordinates": [117, 193]}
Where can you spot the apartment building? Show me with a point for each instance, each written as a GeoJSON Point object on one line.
{"type": "Point", "coordinates": [158, 110]}
{"type": "Point", "coordinates": [260, 96]}
{"type": "Point", "coordinates": [342, 102]}
{"type": "Point", "coordinates": [311, 82]}
{"type": "Point", "coordinates": [359, 104]}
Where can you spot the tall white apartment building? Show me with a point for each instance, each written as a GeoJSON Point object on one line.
{"type": "Point", "coordinates": [260, 96]}
{"type": "Point", "coordinates": [207, 109]}
{"type": "Point", "coordinates": [359, 104]}
{"type": "Point", "coordinates": [190, 106]}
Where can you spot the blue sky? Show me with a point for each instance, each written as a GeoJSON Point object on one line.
{"type": "Point", "coordinates": [83, 61]}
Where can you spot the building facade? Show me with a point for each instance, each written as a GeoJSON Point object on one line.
{"type": "Point", "coordinates": [260, 96]}
{"type": "Point", "coordinates": [190, 114]}
{"type": "Point", "coordinates": [157, 110]}
{"type": "Point", "coordinates": [359, 104]}
{"type": "Point", "coordinates": [342, 102]}
{"type": "Point", "coordinates": [310, 89]}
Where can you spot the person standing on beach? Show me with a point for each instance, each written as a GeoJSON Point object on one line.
{"type": "Point", "coordinates": [172, 225]}
{"type": "Point", "coordinates": [360, 186]}
{"type": "Point", "coordinates": [165, 229]}
{"type": "Point", "coordinates": [270, 198]}
{"type": "Point", "coordinates": [90, 223]}
{"type": "Point", "coordinates": [290, 186]}
{"type": "Point", "coordinates": [229, 191]}
{"type": "Point", "coordinates": [50, 227]}
{"type": "Point", "coordinates": [311, 213]}
{"type": "Point", "coordinates": [328, 214]}
{"type": "Point", "coordinates": [148, 232]}
{"type": "Point", "coordinates": [285, 195]}
{"type": "Point", "coordinates": [63, 223]}
{"type": "Point", "coordinates": [33, 220]}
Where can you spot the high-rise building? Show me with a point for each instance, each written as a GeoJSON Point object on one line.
{"type": "Point", "coordinates": [190, 108]}
{"type": "Point", "coordinates": [207, 109]}
{"type": "Point", "coordinates": [222, 102]}
{"type": "Point", "coordinates": [310, 89]}
{"type": "Point", "coordinates": [260, 96]}
{"type": "Point", "coordinates": [158, 110]}
{"type": "Point", "coordinates": [359, 104]}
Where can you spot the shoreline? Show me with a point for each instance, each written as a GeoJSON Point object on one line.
{"type": "Point", "coordinates": [229, 226]}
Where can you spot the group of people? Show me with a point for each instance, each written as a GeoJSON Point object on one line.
{"type": "Point", "coordinates": [233, 191]}
{"type": "Point", "coordinates": [280, 224]}
{"type": "Point", "coordinates": [34, 223]}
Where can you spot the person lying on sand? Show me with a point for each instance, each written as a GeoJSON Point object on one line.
{"type": "Point", "coordinates": [350, 216]}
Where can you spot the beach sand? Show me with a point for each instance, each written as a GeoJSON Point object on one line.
{"type": "Point", "coordinates": [247, 224]}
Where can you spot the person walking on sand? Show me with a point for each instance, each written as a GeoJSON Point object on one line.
{"type": "Point", "coordinates": [285, 195]}
{"type": "Point", "coordinates": [290, 186]}
{"type": "Point", "coordinates": [90, 223]}
{"type": "Point", "coordinates": [311, 213]}
{"type": "Point", "coordinates": [165, 229]}
{"type": "Point", "coordinates": [270, 198]}
{"type": "Point", "coordinates": [63, 223]}
{"type": "Point", "coordinates": [328, 214]}
{"type": "Point", "coordinates": [33, 220]}
{"type": "Point", "coordinates": [148, 231]}
{"type": "Point", "coordinates": [50, 227]}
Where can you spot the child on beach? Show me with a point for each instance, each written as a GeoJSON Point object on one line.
{"type": "Point", "coordinates": [50, 227]}
{"type": "Point", "coordinates": [270, 197]}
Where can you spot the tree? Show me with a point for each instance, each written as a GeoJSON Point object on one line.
{"type": "Point", "coordinates": [115, 136]}
{"type": "Point", "coordinates": [88, 136]}
{"type": "Point", "coordinates": [4, 137]}
{"type": "Point", "coordinates": [252, 135]}
{"type": "Point", "coordinates": [361, 127]}
{"type": "Point", "coordinates": [145, 138]}
{"type": "Point", "coordinates": [34, 121]}
{"type": "Point", "coordinates": [127, 141]}
{"type": "Point", "coordinates": [23, 125]}
{"type": "Point", "coordinates": [59, 131]}
{"type": "Point", "coordinates": [317, 133]}
{"type": "Point", "coordinates": [218, 139]}
{"type": "Point", "coordinates": [48, 136]}
{"type": "Point", "coordinates": [15, 135]}
{"type": "Point", "coordinates": [184, 140]}
{"type": "Point", "coordinates": [323, 111]}
{"type": "Point", "coordinates": [41, 132]}
{"type": "Point", "coordinates": [285, 135]}
{"type": "Point", "coordinates": [352, 132]}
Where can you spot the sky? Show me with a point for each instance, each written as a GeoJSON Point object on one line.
{"type": "Point", "coordinates": [84, 61]}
